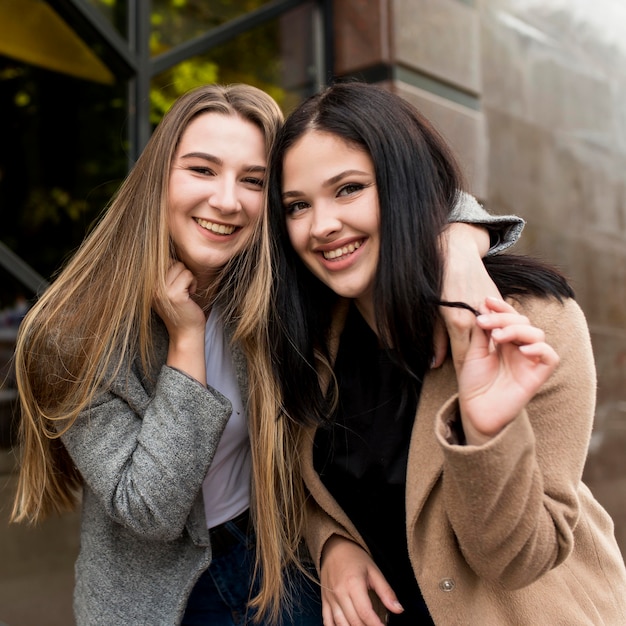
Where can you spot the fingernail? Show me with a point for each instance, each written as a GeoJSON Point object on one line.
{"type": "Point", "coordinates": [398, 606]}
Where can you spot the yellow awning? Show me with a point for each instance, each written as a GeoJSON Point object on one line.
{"type": "Point", "coordinates": [32, 32]}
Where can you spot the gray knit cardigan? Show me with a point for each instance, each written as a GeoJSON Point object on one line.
{"type": "Point", "coordinates": [143, 450]}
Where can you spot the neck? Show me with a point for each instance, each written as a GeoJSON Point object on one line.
{"type": "Point", "coordinates": [206, 292]}
{"type": "Point", "coordinates": [365, 307]}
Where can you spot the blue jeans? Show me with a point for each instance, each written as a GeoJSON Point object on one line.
{"type": "Point", "coordinates": [221, 595]}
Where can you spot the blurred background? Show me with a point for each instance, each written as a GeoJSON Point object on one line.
{"type": "Point", "coordinates": [530, 93]}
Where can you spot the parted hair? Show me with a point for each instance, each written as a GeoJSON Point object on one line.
{"type": "Point", "coordinates": [418, 182]}
{"type": "Point", "coordinates": [98, 311]}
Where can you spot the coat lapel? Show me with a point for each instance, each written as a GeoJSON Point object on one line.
{"type": "Point", "coordinates": [425, 462]}
{"type": "Point", "coordinates": [425, 455]}
{"type": "Point", "coordinates": [311, 478]}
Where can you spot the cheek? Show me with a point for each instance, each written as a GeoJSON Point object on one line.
{"type": "Point", "coordinates": [176, 187]}
{"type": "Point", "coordinates": [296, 235]}
{"type": "Point", "coordinates": [175, 213]}
{"type": "Point", "coordinates": [374, 218]}
{"type": "Point", "coordinates": [254, 207]}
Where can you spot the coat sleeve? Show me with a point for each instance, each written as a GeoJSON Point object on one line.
{"type": "Point", "coordinates": [504, 230]}
{"type": "Point", "coordinates": [320, 527]}
{"type": "Point", "coordinates": [145, 455]}
{"type": "Point", "coordinates": [514, 502]}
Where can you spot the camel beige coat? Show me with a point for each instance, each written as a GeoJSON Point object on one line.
{"type": "Point", "coordinates": [505, 533]}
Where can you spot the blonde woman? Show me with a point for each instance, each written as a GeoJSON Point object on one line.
{"type": "Point", "coordinates": [133, 373]}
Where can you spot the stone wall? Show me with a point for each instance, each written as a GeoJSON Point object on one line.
{"type": "Point", "coordinates": [554, 86]}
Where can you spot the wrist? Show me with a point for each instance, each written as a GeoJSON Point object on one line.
{"type": "Point", "coordinates": [468, 237]}
{"type": "Point", "coordinates": [476, 437]}
{"type": "Point", "coordinates": [187, 355]}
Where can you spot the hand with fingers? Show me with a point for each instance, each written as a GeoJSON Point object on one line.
{"type": "Point", "coordinates": [348, 574]}
{"type": "Point", "coordinates": [505, 365]}
{"type": "Point", "coordinates": [185, 322]}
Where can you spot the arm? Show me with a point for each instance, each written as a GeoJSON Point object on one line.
{"type": "Point", "coordinates": [504, 230]}
{"type": "Point", "coordinates": [142, 450]}
{"type": "Point", "coordinates": [145, 452]}
{"type": "Point", "coordinates": [513, 500]}
{"type": "Point", "coordinates": [471, 234]}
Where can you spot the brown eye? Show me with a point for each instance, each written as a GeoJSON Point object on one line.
{"type": "Point", "coordinates": [350, 188]}
{"type": "Point", "coordinates": [295, 207]}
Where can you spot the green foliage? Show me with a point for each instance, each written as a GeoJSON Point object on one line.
{"type": "Point", "coordinates": [48, 206]}
{"type": "Point", "coordinates": [64, 144]}
{"type": "Point", "coordinates": [183, 77]}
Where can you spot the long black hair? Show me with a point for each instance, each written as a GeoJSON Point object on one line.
{"type": "Point", "coordinates": [418, 183]}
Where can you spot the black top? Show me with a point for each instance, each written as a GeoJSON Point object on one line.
{"type": "Point", "coordinates": [362, 456]}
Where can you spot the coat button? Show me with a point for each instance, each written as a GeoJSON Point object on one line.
{"type": "Point", "coordinates": [447, 584]}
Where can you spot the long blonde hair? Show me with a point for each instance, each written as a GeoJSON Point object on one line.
{"type": "Point", "coordinates": [98, 310]}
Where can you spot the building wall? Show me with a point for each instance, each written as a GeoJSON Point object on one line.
{"type": "Point", "coordinates": [554, 83]}
{"type": "Point", "coordinates": [530, 94]}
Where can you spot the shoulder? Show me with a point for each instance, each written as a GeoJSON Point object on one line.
{"type": "Point", "coordinates": [551, 314]}
{"type": "Point", "coordinates": [566, 330]}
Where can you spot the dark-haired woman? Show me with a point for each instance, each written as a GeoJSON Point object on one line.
{"type": "Point", "coordinates": [450, 495]}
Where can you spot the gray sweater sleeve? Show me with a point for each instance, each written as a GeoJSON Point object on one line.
{"type": "Point", "coordinates": [144, 453]}
{"type": "Point", "coordinates": [504, 230]}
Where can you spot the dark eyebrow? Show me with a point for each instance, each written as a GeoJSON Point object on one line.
{"type": "Point", "coordinates": [335, 179]}
{"type": "Point", "coordinates": [291, 194]}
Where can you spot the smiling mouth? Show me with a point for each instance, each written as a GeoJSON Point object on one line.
{"type": "Point", "coordinates": [333, 255]}
{"type": "Point", "coordinates": [218, 229]}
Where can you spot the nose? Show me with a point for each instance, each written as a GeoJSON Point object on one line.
{"type": "Point", "coordinates": [224, 196]}
{"type": "Point", "coordinates": [324, 221]}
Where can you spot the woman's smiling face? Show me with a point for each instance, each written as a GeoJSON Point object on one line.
{"type": "Point", "coordinates": [215, 191]}
{"type": "Point", "coordinates": [332, 212]}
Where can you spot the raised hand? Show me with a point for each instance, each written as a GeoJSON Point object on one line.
{"type": "Point", "coordinates": [505, 365]}
{"type": "Point", "coordinates": [185, 322]}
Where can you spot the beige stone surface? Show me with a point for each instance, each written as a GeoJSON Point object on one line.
{"type": "Point", "coordinates": [361, 33]}
{"type": "Point", "coordinates": [462, 127]}
{"type": "Point", "coordinates": [439, 38]}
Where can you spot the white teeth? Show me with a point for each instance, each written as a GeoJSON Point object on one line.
{"type": "Point", "coordinates": [220, 229]}
{"type": "Point", "coordinates": [349, 249]}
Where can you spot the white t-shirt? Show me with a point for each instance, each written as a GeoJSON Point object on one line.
{"type": "Point", "coordinates": [226, 488]}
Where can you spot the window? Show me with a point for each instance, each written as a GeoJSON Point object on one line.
{"type": "Point", "coordinates": [83, 82]}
